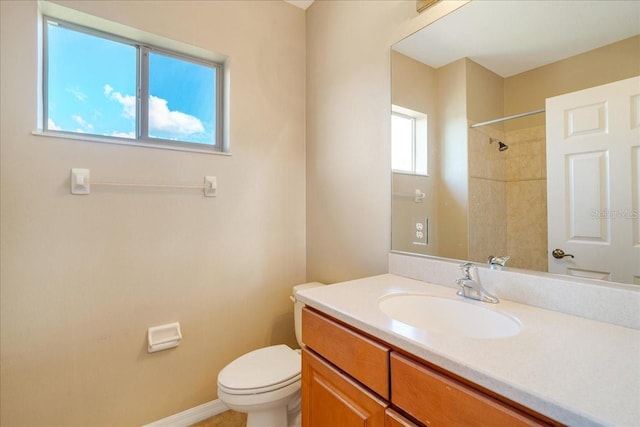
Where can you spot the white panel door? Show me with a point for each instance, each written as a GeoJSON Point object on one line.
{"type": "Point", "coordinates": [593, 162]}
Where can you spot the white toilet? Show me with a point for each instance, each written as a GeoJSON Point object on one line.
{"type": "Point", "coordinates": [265, 383]}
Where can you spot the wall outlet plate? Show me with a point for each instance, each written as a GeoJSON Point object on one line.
{"type": "Point", "coordinates": [420, 231]}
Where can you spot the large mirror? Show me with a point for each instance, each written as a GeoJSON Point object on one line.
{"type": "Point", "coordinates": [469, 135]}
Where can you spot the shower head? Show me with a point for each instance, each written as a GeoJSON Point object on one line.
{"type": "Point", "coordinates": [501, 145]}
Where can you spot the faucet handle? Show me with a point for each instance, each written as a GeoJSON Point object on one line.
{"type": "Point", "coordinates": [498, 260]}
{"type": "Point", "coordinates": [466, 269]}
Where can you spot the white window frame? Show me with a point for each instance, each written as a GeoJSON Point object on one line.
{"type": "Point", "coordinates": [144, 43]}
{"type": "Point", "coordinates": [419, 143]}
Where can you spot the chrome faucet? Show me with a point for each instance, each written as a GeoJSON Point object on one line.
{"type": "Point", "coordinates": [495, 261]}
{"type": "Point", "coordinates": [471, 287]}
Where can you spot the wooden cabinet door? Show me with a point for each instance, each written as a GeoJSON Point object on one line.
{"type": "Point", "coordinates": [394, 419]}
{"type": "Point", "coordinates": [329, 398]}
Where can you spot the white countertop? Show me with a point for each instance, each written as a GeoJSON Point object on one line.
{"type": "Point", "coordinates": [577, 371]}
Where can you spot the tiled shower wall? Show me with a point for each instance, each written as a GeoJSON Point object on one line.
{"type": "Point", "coordinates": [527, 198]}
{"type": "Point", "coordinates": [487, 195]}
{"type": "Point", "coordinates": [507, 197]}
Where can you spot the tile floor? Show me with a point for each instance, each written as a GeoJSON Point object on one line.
{"type": "Point", "coordinates": [225, 419]}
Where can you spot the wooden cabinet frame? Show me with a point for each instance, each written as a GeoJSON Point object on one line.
{"type": "Point", "coordinates": [350, 379]}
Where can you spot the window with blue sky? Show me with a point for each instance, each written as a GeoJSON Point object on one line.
{"type": "Point", "coordinates": [92, 81]}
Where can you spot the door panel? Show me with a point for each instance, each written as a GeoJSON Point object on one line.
{"type": "Point", "coordinates": [593, 167]}
{"type": "Point", "coordinates": [635, 203]}
{"type": "Point", "coordinates": [588, 187]}
{"type": "Point", "coordinates": [586, 120]}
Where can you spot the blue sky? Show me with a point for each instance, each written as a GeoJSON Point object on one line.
{"type": "Point", "coordinates": [92, 87]}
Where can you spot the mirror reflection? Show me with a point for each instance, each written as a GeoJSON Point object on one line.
{"type": "Point", "coordinates": [470, 173]}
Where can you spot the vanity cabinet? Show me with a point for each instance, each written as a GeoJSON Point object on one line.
{"type": "Point", "coordinates": [331, 398]}
{"type": "Point", "coordinates": [351, 379]}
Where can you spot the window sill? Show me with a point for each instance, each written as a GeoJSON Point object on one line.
{"type": "Point", "coordinates": [192, 148]}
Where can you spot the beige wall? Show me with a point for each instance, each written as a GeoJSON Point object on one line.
{"type": "Point", "coordinates": [527, 91]}
{"type": "Point", "coordinates": [414, 86]}
{"type": "Point", "coordinates": [485, 93]}
{"type": "Point", "coordinates": [83, 277]}
{"type": "Point", "coordinates": [453, 190]}
{"type": "Point", "coordinates": [348, 125]}
{"type": "Point", "coordinates": [348, 160]}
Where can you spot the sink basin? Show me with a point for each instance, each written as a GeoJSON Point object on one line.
{"type": "Point", "coordinates": [449, 316]}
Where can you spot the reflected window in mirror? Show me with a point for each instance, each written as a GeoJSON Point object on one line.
{"type": "Point", "coordinates": [408, 141]}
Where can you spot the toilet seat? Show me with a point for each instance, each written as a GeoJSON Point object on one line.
{"type": "Point", "coordinates": [261, 371]}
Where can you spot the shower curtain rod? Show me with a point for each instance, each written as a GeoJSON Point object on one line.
{"type": "Point", "coordinates": [504, 119]}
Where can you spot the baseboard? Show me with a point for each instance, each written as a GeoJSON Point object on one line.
{"type": "Point", "coordinates": [191, 416]}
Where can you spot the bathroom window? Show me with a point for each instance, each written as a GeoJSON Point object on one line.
{"type": "Point", "coordinates": [115, 89]}
{"type": "Point", "coordinates": [408, 141]}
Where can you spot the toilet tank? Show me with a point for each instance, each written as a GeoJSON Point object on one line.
{"type": "Point", "coordinates": [297, 308]}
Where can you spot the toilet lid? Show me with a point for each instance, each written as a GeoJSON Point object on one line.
{"type": "Point", "coordinates": [265, 368]}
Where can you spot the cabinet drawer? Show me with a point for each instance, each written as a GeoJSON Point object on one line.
{"type": "Point", "coordinates": [364, 359]}
{"type": "Point", "coordinates": [437, 400]}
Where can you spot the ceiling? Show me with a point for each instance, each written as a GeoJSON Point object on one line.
{"type": "Point", "coordinates": [509, 37]}
{"type": "Point", "coordinates": [302, 4]}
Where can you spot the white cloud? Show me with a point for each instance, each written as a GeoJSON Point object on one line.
{"type": "Point", "coordinates": [82, 122]}
{"type": "Point", "coordinates": [161, 119]}
{"type": "Point", "coordinates": [130, 135]}
{"type": "Point", "coordinates": [128, 102]}
{"type": "Point", "coordinates": [77, 93]}
{"type": "Point", "coordinates": [52, 126]}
